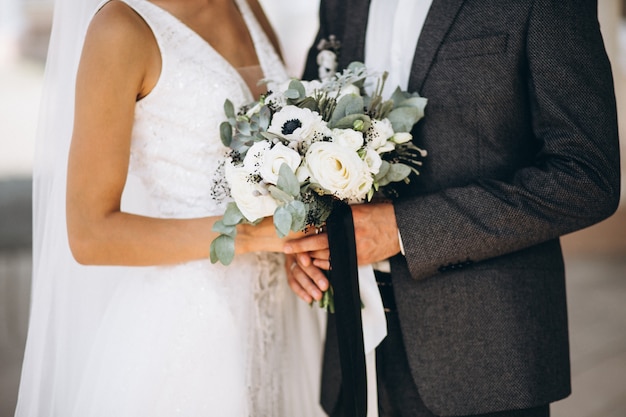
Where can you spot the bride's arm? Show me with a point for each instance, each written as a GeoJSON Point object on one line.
{"type": "Point", "coordinates": [120, 64]}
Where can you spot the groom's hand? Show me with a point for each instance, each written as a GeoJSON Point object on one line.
{"type": "Point", "coordinates": [375, 231]}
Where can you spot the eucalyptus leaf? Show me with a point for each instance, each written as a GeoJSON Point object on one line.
{"type": "Point", "coordinates": [279, 194]}
{"type": "Point", "coordinates": [415, 101]}
{"type": "Point", "coordinates": [241, 141]}
{"type": "Point", "coordinates": [282, 221]}
{"type": "Point", "coordinates": [292, 94]}
{"type": "Point", "coordinates": [224, 229]}
{"type": "Point", "coordinates": [233, 215]}
{"type": "Point", "coordinates": [298, 215]}
{"type": "Point", "coordinates": [398, 172]}
{"type": "Point", "coordinates": [403, 118]}
{"type": "Point", "coordinates": [254, 123]}
{"type": "Point", "coordinates": [226, 133]}
{"type": "Point", "coordinates": [243, 127]}
{"type": "Point", "coordinates": [384, 181]}
{"type": "Point", "coordinates": [265, 117]}
{"type": "Point", "coordinates": [399, 96]}
{"type": "Point", "coordinates": [347, 105]}
{"type": "Point", "coordinates": [287, 181]}
{"type": "Point", "coordinates": [229, 109]}
{"type": "Point", "coordinates": [222, 249]}
{"type": "Point", "coordinates": [299, 87]}
{"type": "Point", "coordinates": [348, 122]}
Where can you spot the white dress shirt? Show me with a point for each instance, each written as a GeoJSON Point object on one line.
{"type": "Point", "coordinates": [393, 28]}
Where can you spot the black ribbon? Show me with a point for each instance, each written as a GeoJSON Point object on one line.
{"type": "Point", "coordinates": [344, 278]}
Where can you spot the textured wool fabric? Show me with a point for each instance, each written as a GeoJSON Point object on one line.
{"type": "Point", "coordinates": [521, 134]}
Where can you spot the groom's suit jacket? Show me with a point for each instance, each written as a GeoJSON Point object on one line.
{"type": "Point", "coordinates": [522, 143]}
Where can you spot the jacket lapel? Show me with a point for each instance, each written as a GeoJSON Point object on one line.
{"type": "Point", "coordinates": [355, 21]}
{"type": "Point", "coordinates": [440, 17]}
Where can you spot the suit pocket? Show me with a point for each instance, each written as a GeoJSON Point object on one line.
{"type": "Point", "coordinates": [489, 45]}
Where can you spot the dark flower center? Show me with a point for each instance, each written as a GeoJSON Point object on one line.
{"type": "Point", "coordinates": [290, 126]}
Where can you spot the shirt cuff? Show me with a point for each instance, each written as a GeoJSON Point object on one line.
{"type": "Point", "coordinates": [400, 242]}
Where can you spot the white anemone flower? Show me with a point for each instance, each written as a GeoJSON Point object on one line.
{"type": "Point", "coordinates": [296, 124]}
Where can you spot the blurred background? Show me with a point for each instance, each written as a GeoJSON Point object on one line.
{"type": "Point", "coordinates": [595, 257]}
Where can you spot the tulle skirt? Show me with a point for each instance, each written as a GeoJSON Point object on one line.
{"type": "Point", "coordinates": [195, 340]}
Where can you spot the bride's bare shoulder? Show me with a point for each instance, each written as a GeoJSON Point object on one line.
{"type": "Point", "coordinates": [119, 43]}
{"type": "Point", "coordinates": [116, 22]}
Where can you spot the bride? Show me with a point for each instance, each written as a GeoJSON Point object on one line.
{"type": "Point", "coordinates": [128, 316]}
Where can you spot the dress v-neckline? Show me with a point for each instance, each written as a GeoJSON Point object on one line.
{"type": "Point", "coordinates": [214, 51]}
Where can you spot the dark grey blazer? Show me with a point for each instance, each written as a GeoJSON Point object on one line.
{"type": "Point", "coordinates": [521, 133]}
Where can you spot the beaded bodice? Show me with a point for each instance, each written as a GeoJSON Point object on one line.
{"type": "Point", "coordinates": [176, 149]}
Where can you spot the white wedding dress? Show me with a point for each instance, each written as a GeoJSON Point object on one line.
{"type": "Point", "coordinates": [196, 339]}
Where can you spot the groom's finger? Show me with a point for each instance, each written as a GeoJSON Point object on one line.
{"type": "Point", "coordinates": [307, 244]}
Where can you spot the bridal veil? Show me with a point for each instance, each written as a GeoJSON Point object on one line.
{"type": "Point", "coordinates": [64, 304]}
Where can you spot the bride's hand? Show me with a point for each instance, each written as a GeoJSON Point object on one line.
{"type": "Point", "coordinates": [306, 280]}
{"type": "Point", "coordinates": [262, 237]}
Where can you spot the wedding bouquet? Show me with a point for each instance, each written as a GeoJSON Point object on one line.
{"type": "Point", "coordinates": [297, 150]}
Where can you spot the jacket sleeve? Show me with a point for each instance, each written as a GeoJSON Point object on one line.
{"type": "Point", "coordinates": [573, 180]}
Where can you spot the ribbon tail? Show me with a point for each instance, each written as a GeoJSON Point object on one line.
{"type": "Point", "coordinates": [344, 278]}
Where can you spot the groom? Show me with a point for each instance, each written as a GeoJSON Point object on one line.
{"type": "Point", "coordinates": [522, 143]}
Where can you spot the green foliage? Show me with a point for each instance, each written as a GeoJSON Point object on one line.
{"type": "Point", "coordinates": [229, 109]}
{"type": "Point", "coordinates": [282, 221]}
{"type": "Point", "coordinates": [287, 181]}
{"type": "Point", "coordinates": [226, 133]}
{"type": "Point", "coordinates": [223, 249]}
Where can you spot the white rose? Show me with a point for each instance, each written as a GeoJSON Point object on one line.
{"type": "Point", "coordinates": [348, 89]}
{"type": "Point", "coordinates": [378, 133]}
{"type": "Point", "coordinates": [296, 124]}
{"type": "Point", "coordinates": [401, 137]}
{"type": "Point", "coordinates": [252, 198]}
{"type": "Point", "coordinates": [310, 87]}
{"type": "Point", "coordinates": [387, 147]}
{"type": "Point", "coordinates": [302, 173]}
{"type": "Point", "coordinates": [255, 156]}
{"type": "Point", "coordinates": [274, 158]}
{"type": "Point", "coordinates": [373, 161]}
{"type": "Point", "coordinates": [339, 171]}
{"type": "Point", "coordinates": [348, 138]}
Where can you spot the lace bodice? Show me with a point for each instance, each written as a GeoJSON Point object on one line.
{"type": "Point", "coordinates": [177, 153]}
{"type": "Point", "coordinates": [176, 149]}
